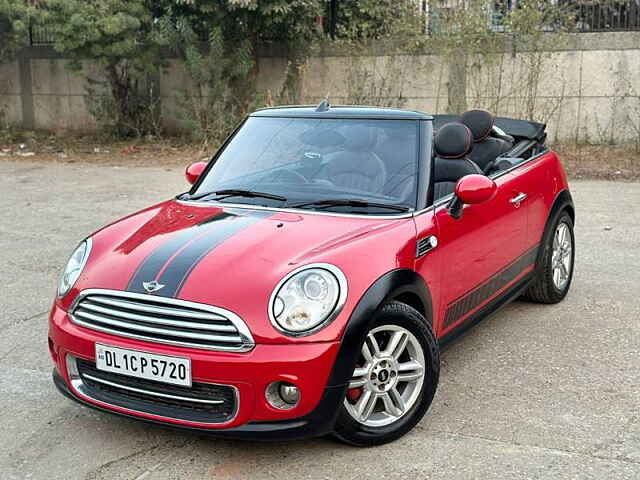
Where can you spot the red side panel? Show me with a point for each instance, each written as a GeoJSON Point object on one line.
{"type": "Point", "coordinates": [542, 179]}
{"type": "Point", "coordinates": [485, 240]}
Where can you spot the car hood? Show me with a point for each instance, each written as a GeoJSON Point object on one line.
{"type": "Point", "coordinates": [233, 257]}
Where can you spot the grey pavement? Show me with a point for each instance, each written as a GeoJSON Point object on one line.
{"type": "Point", "coordinates": [532, 392]}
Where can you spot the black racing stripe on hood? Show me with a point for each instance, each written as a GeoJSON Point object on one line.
{"type": "Point", "coordinates": [154, 262]}
{"type": "Point", "coordinates": [177, 272]}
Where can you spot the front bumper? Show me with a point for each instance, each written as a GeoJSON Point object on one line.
{"type": "Point", "coordinates": [308, 366]}
{"type": "Point", "coordinates": [317, 423]}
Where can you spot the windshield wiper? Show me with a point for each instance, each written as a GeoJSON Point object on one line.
{"type": "Point", "coordinates": [236, 192]}
{"type": "Point", "coordinates": [348, 203]}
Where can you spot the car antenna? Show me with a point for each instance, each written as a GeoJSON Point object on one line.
{"type": "Point", "coordinates": [324, 105]}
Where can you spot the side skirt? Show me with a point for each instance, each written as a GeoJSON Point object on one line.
{"type": "Point", "coordinates": [494, 305]}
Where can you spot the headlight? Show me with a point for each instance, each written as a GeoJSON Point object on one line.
{"type": "Point", "coordinates": [308, 299]}
{"type": "Point", "coordinates": [74, 267]}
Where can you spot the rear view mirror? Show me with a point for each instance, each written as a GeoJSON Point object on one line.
{"type": "Point", "coordinates": [194, 171]}
{"type": "Point", "coordinates": [471, 189]}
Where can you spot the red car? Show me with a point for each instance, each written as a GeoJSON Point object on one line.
{"type": "Point", "coordinates": [304, 284]}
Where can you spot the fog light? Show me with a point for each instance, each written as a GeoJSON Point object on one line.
{"type": "Point", "coordinates": [289, 393]}
{"type": "Point", "coordinates": [282, 395]}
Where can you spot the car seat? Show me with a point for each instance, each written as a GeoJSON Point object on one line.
{"type": "Point", "coordinates": [486, 148]}
{"type": "Point", "coordinates": [452, 144]}
{"type": "Point", "coordinates": [358, 167]}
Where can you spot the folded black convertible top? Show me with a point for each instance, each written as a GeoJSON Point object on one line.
{"type": "Point", "coordinates": [516, 128]}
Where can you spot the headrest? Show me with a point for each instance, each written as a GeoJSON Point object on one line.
{"type": "Point", "coordinates": [480, 122]}
{"type": "Point", "coordinates": [453, 140]}
{"type": "Point", "coordinates": [360, 138]}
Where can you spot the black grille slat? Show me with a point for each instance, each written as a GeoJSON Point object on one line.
{"type": "Point", "coordinates": [157, 338]}
{"type": "Point", "coordinates": [149, 403]}
{"type": "Point", "coordinates": [167, 331]}
{"type": "Point", "coordinates": [141, 304]}
{"type": "Point", "coordinates": [157, 318]}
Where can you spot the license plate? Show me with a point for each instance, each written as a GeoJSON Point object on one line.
{"type": "Point", "coordinates": [150, 366]}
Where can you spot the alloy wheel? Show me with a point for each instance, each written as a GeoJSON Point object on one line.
{"type": "Point", "coordinates": [388, 379]}
{"type": "Point", "coordinates": [561, 257]}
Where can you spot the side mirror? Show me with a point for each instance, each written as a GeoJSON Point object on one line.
{"type": "Point", "coordinates": [194, 171]}
{"type": "Point", "coordinates": [471, 189]}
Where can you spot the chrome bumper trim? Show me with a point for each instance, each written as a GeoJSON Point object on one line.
{"type": "Point", "coordinates": [79, 388]}
{"type": "Point", "coordinates": [149, 392]}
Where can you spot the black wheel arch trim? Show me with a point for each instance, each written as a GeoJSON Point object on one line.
{"type": "Point", "coordinates": [386, 288]}
{"type": "Point", "coordinates": [562, 201]}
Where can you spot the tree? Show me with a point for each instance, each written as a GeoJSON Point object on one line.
{"type": "Point", "coordinates": [194, 32]}
{"type": "Point", "coordinates": [14, 21]}
{"type": "Point", "coordinates": [219, 43]}
{"type": "Point", "coordinates": [377, 19]}
{"type": "Point", "coordinates": [364, 29]}
{"type": "Point", "coordinates": [243, 26]}
{"type": "Point", "coordinates": [119, 35]}
{"type": "Point", "coordinates": [291, 23]}
{"type": "Point", "coordinates": [480, 44]}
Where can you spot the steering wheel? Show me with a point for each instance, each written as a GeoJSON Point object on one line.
{"type": "Point", "coordinates": [293, 175]}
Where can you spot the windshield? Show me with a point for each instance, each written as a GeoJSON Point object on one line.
{"type": "Point", "coordinates": [319, 164]}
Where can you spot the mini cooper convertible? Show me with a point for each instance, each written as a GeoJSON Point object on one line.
{"type": "Point", "coordinates": [304, 284]}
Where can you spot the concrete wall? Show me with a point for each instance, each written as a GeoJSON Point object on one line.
{"type": "Point", "coordinates": [10, 93]}
{"type": "Point", "coordinates": [58, 96]}
{"type": "Point", "coordinates": [588, 90]}
{"type": "Point", "coordinates": [41, 93]}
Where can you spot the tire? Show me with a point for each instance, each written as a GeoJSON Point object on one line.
{"type": "Point", "coordinates": [546, 289]}
{"type": "Point", "coordinates": [392, 321]}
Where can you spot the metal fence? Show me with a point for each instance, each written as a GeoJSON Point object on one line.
{"type": "Point", "coordinates": [583, 15]}
{"type": "Point", "coordinates": [588, 15]}
{"type": "Point", "coordinates": [40, 35]}
{"type": "Point", "coordinates": [607, 16]}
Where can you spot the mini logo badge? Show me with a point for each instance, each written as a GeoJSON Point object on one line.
{"type": "Point", "coordinates": [152, 286]}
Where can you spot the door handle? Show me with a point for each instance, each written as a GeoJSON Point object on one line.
{"type": "Point", "coordinates": [518, 198]}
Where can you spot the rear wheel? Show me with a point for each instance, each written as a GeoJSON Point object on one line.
{"type": "Point", "coordinates": [555, 268]}
{"type": "Point", "coordinates": [394, 381]}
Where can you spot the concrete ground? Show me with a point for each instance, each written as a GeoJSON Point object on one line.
{"type": "Point", "coordinates": [533, 392]}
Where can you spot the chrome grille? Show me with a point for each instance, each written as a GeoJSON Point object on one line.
{"type": "Point", "coordinates": [161, 320]}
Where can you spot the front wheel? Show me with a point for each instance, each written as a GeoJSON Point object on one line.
{"type": "Point", "coordinates": [394, 381]}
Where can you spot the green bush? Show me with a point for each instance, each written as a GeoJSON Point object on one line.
{"type": "Point", "coordinates": [218, 43]}
{"type": "Point", "coordinates": [15, 16]}
{"type": "Point", "coordinates": [119, 37]}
